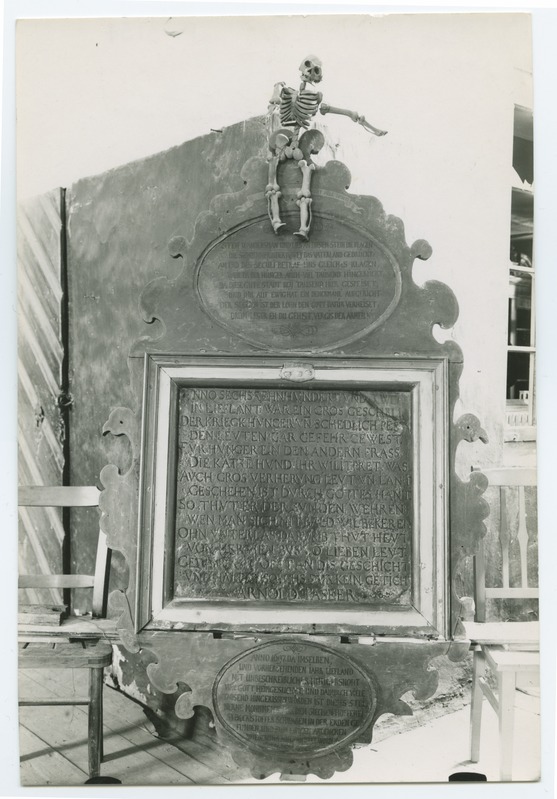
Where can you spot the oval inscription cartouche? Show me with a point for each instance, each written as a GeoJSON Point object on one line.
{"type": "Point", "coordinates": [285, 294]}
{"type": "Point", "coordinates": [294, 697]}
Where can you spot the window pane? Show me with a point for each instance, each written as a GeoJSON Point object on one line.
{"type": "Point", "coordinates": [518, 371]}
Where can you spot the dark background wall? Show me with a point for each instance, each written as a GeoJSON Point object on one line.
{"type": "Point", "coordinates": [119, 226]}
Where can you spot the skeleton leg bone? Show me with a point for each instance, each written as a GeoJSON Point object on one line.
{"type": "Point", "coordinates": [272, 192]}
{"type": "Point", "coordinates": [304, 200]}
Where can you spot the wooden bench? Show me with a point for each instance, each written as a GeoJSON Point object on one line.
{"type": "Point", "coordinates": [47, 641]}
{"type": "Point", "coordinates": [507, 648]}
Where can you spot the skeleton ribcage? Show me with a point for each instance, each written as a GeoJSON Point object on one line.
{"type": "Point", "coordinates": [297, 108]}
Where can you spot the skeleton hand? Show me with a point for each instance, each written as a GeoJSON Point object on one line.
{"type": "Point", "coordinates": [365, 124]}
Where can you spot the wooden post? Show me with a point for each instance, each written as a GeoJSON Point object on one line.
{"type": "Point", "coordinates": [506, 685]}
{"type": "Point", "coordinates": [95, 720]}
{"type": "Point", "coordinates": [476, 704]}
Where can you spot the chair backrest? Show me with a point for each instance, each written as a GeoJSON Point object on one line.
{"type": "Point", "coordinates": [68, 497]}
{"type": "Point", "coordinates": [512, 530]}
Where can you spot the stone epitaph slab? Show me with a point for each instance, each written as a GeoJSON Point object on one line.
{"type": "Point", "coordinates": [244, 305]}
{"type": "Point", "coordinates": [291, 494]}
{"type": "Point", "coordinates": [294, 697]}
{"type": "Point", "coordinates": [291, 705]}
{"type": "Point", "coordinates": [280, 291]}
{"type": "Point", "coordinates": [308, 487]}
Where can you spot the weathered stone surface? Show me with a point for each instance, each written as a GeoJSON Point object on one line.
{"type": "Point", "coordinates": [294, 697]}
{"type": "Point", "coordinates": [294, 495]}
{"type": "Point", "coordinates": [214, 675]}
{"type": "Point", "coordinates": [183, 311]}
{"type": "Point", "coordinates": [118, 227]}
{"type": "Point", "coordinates": [118, 506]}
{"type": "Point", "coordinates": [280, 291]}
{"type": "Point", "coordinates": [204, 308]}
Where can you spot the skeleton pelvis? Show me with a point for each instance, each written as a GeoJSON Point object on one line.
{"type": "Point", "coordinates": [288, 143]}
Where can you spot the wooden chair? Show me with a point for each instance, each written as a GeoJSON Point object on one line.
{"type": "Point", "coordinates": [507, 648]}
{"type": "Point", "coordinates": [75, 642]}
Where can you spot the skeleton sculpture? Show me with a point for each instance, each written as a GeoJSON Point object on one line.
{"type": "Point", "coordinates": [294, 140]}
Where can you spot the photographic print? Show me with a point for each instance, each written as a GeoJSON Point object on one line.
{"type": "Point", "coordinates": [277, 400]}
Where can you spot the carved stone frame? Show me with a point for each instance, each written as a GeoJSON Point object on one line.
{"type": "Point", "coordinates": [426, 379]}
{"type": "Point", "coordinates": [183, 343]}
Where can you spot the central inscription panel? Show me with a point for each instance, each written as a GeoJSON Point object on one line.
{"type": "Point", "coordinates": [294, 495]}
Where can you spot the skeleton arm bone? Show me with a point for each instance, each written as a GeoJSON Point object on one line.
{"type": "Point", "coordinates": [354, 116]}
{"type": "Point", "coordinates": [275, 99]}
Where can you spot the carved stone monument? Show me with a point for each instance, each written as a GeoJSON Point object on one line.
{"type": "Point", "coordinates": [291, 516]}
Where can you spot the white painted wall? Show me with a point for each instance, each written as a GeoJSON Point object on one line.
{"type": "Point", "coordinates": [93, 94]}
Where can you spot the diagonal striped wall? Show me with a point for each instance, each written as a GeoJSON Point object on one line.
{"type": "Point", "coordinates": [40, 251]}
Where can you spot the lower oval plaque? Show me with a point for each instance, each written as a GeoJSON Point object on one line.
{"type": "Point", "coordinates": [294, 697]}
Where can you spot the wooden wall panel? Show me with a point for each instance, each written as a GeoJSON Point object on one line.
{"type": "Point", "coordinates": [41, 363]}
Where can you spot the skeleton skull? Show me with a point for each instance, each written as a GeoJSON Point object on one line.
{"type": "Point", "coordinates": [311, 69]}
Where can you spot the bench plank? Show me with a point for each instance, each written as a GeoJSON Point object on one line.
{"type": "Point", "coordinates": [509, 632]}
{"type": "Point", "coordinates": [58, 496]}
{"type": "Point", "coordinates": [62, 655]}
{"type": "Point", "coordinates": [507, 660]}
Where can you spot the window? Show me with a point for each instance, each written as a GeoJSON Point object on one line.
{"type": "Point", "coordinates": [521, 342]}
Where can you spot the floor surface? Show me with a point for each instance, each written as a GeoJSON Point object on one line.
{"type": "Point", "coordinates": [53, 745]}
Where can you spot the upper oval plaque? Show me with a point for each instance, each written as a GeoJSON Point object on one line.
{"type": "Point", "coordinates": [294, 697]}
{"type": "Point", "coordinates": [285, 294]}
